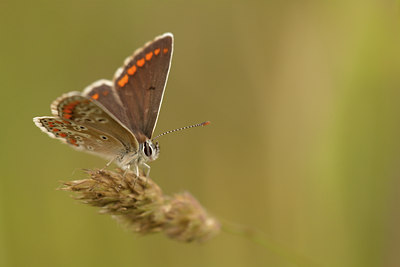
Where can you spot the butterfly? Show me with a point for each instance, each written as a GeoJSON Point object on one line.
{"type": "Point", "coordinates": [116, 119]}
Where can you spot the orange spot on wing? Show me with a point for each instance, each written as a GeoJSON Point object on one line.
{"type": "Point", "coordinates": [149, 56]}
{"type": "Point", "coordinates": [72, 104]}
{"type": "Point", "coordinates": [105, 93]}
{"type": "Point", "coordinates": [67, 116]}
{"type": "Point", "coordinates": [132, 70]}
{"type": "Point", "coordinates": [56, 130]}
{"type": "Point", "coordinates": [72, 141]}
{"type": "Point", "coordinates": [123, 81]}
{"type": "Point", "coordinates": [140, 62]}
{"type": "Point", "coordinates": [70, 107]}
{"type": "Point", "coordinates": [95, 96]}
{"type": "Point", "coordinates": [66, 122]}
{"type": "Point", "coordinates": [157, 51]}
{"type": "Point", "coordinates": [63, 134]}
{"type": "Point", "coordinates": [165, 50]}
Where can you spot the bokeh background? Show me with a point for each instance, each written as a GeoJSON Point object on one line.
{"type": "Point", "coordinates": [302, 154]}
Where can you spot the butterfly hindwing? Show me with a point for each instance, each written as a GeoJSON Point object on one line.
{"type": "Point", "coordinates": [81, 137]}
{"type": "Point", "coordinates": [141, 82]}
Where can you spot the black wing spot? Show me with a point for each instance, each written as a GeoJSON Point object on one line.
{"type": "Point", "coordinates": [102, 120]}
{"type": "Point", "coordinates": [152, 88]}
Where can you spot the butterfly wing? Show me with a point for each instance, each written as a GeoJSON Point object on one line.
{"type": "Point", "coordinates": [80, 137]}
{"type": "Point", "coordinates": [103, 93]}
{"type": "Point", "coordinates": [84, 111]}
{"type": "Point", "coordinates": [140, 85]}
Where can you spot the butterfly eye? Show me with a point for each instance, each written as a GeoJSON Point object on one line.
{"type": "Point", "coordinates": [148, 151]}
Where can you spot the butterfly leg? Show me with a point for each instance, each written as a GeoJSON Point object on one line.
{"type": "Point", "coordinates": [146, 169]}
{"type": "Point", "coordinates": [137, 174]}
{"type": "Point", "coordinates": [128, 168]}
{"type": "Point", "coordinates": [137, 170]}
{"type": "Point", "coordinates": [108, 164]}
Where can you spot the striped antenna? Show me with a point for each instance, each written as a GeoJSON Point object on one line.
{"type": "Point", "coordinates": [183, 128]}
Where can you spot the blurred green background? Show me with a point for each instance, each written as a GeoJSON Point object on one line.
{"type": "Point", "coordinates": [303, 148]}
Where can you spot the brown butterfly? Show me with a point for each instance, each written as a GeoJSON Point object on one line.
{"type": "Point", "coordinates": [116, 119]}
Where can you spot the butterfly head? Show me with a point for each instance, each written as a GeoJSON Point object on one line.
{"type": "Point", "coordinates": [150, 150]}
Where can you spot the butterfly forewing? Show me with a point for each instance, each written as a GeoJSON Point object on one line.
{"type": "Point", "coordinates": [85, 111]}
{"type": "Point", "coordinates": [103, 92]}
{"type": "Point", "coordinates": [140, 85]}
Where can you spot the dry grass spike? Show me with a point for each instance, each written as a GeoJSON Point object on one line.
{"type": "Point", "coordinates": [140, 205]}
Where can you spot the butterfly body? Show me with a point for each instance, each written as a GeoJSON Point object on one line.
{"type": "Point", "coordinates": [116, 119]}
{"type": "Point", "coordinates": [147, 152]}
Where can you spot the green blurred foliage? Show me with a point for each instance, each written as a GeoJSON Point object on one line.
{"type": "Point", "coordinates": [304, 102]}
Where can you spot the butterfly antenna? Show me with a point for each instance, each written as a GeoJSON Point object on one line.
{"type": "Point", "coordinates": [183, 128]}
